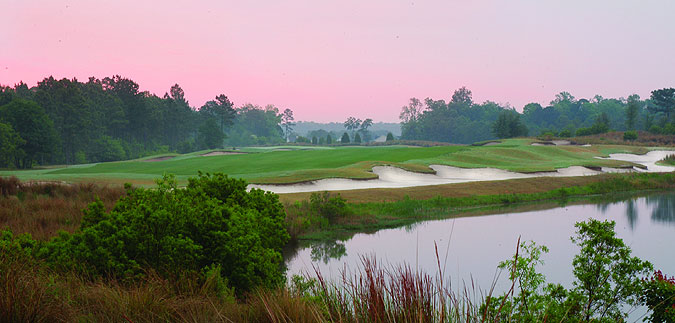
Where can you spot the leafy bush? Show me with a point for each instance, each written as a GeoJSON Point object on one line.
{"type": "Point", "coordinates": [630, 135]}
{"type": "Point", "coordinates": [607, 278]}
{"type": "Point", "coordinates": [659, 296]}
{"type": "Point", "coordinates": [565, 133]}
{"type": "Point", "coordinates": [214, 221]}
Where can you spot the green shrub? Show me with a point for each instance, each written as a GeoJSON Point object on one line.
{"type": "Point", "coordinates": [659, 296]}
{"type": "Point", "coordinates": [565, 133]}
{"type": "Point", "coordinates": [327, 206]}
{"type": "Point", "coordinates": [607, 279]}
{"type": "Point", "coordinates": [390, 136]}
{"type": "Point", "coordinates": [214, 221]}
{"type": "Point", "coordinates": [630, 135]}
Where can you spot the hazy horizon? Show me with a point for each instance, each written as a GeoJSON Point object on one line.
{"type": "Point", "coordinates": [333, 60]}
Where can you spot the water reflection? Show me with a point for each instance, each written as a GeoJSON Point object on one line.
{"type": "Point", "coordinates": [326, 250]}
{"type": "Point", "coordinates": [663, 208]}
{"type": "Point", "coordinates": [631, 213]}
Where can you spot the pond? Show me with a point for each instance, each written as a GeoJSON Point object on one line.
{"type": "Point", "coordinates": [470, 248]}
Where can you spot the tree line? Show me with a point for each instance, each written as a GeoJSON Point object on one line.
{"type": "Point", "coordinates": [463, 121]}
{"type": "Point", "coordinates": [69, 122]}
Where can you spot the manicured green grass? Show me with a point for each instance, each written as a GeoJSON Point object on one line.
{"type": "Point", "coordinates": [290, 164]}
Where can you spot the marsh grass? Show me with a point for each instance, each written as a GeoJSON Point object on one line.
{"type": "Point", "coordinates": [43, 208]}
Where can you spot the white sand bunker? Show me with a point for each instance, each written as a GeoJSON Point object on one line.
{"type": "Point", "coordinates": [219, 153]}
{"type": "Point", "coordinates": [649, 160]}
{"type": "Point", "coordinates": [393, 177]}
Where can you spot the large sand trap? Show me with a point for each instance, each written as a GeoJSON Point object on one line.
{"type": "Point", "coordinates": [219, 153]}
{"type": "Point", "coordinates": [649, 160]}
{"type": "Point", "coordinates": [393, 177]}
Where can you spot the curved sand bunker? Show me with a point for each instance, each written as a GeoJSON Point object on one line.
{"type": "Point", "coordinates": [393, 177]}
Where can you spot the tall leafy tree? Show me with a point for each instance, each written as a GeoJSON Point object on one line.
{"type": "Point", "coordinates": [352, 124]}
{"type": "Point", "coordinates": [632, 110]}
{"type": "Point", "coordinates": [222, 109]}
{"type": "Point", "coordinates": [33, 125]}
{"type": "Point", "coordinates": [462, 96]}
{"type": "Point", "coordinates": [508, 125]}
{"type": "Point", "coordinates": [10, 142]}
{"type": "Point", "coordinates": [65, 103]}
{"type": "Point", "coordinates": [663, 101]}
{"type": "Point", "coordinates": [287, 122]}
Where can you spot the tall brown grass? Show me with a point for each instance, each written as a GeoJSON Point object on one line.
{"type": "Point", "coordinates": [43, 208]}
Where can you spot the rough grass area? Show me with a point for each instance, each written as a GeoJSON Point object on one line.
{"type": "Point", "coordinates": [277, 165]}
{"type": "Point", "coordinates": [616, 138]}
{"type": "Point", "coordinates": [42, 209]}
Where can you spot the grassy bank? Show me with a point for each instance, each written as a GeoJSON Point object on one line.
{"type": "Point", "coordinates": [290, 165]}
{"type": "Point", "coordinates": [368, 216]}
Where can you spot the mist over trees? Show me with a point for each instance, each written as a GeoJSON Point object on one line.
{"type": "Point", "coordinates": [65, 121]}
{"type": "Point", "coordinates": [463, 121]}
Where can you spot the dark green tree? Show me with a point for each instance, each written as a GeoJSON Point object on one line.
{"type": "Point", "coordinates": [390, 136]}
{"type": "Point", "coordinates": [508, 125]}
{"type": "Point", "coordinates": [632, 110]}
{"type": "Point", "coordinates": [210, 136]}
{"type": "Point", "coordinates": [345, 138]}
{"type": "Point", "coordinates": [35, 127]}
{"type": "Point", "coordinates": [10, 142]}
{"type": "Point", "coordinates": [357, 138]}
{"type": "Point", "coordinates": [287, 122]}
{"type": "Point", "coordinates": [329, 140]}
{"type": "Point", "coordinates": [222, 109]}
{"type": "Point", "coordinates": [663, 101]}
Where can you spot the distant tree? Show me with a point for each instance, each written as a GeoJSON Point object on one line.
{"type": "Point", "coordinates": [412, 111]}
{"type": "Point", "coordinates": [287, 122]}
{"type": "Point", "coordinates": [10, 142]}
{"type": "Point", "coordinates": [221, 108]}
{"type": "Point", "coordinates": [462, 96]}
{"type": "Point", "coordinates": [357, 138]}
{"type": "Point", "coordinates": [602, 123]}
{"type": "Point", "coordinates": [663, 101]}
{"type": "Point", "coordinates": [563, 97]}
{"type": "Point", "coordinates": [390, 136]}
{"type": "Point", "coordinates": [315, 140]}
{"type": "Point", "coordinates": [210, 135]}
{"type": "Point", "coordinates": [329, 140]}
{"type": "Point", "coordinates": [352, 124]}
{"type": "Point", "coordinates": [345, 138]}
{"type": "Point", "coordinates": [508, 125]}
{"type": "Point", "coordinates": [363, 129]}
{"type": "Point", "coordinates": [34, 126]}
{"type": "Point", "coordinates": [632, 110]}
{"type": "Point", "coordinates": [322, 140]}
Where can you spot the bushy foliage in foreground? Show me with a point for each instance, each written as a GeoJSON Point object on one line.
{"type": "Point", "coordinates": [212, 223]}
{"type": "Point", "coordinates": [659, 296]}
{"type": "Point", "coordinates": [607, 280]}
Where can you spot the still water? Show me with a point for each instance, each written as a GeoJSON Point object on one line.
{"type": "Point", "coordinates": [470, 248]}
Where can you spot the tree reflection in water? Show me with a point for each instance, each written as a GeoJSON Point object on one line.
{"type": "Point", "coordinates": [663, 208]}
{"type": "Point", "coordinates": [327, 250]}
{"type": "Point", "coordinates": [631, 213]}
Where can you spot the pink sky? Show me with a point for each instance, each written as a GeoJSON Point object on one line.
{"type": "Point", "coordinates": [327, 60]}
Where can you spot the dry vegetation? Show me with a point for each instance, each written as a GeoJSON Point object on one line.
{"type": "Point", "coordinates": [43, 208]}
{"type": "Point", "coordinates": [616, 138]}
